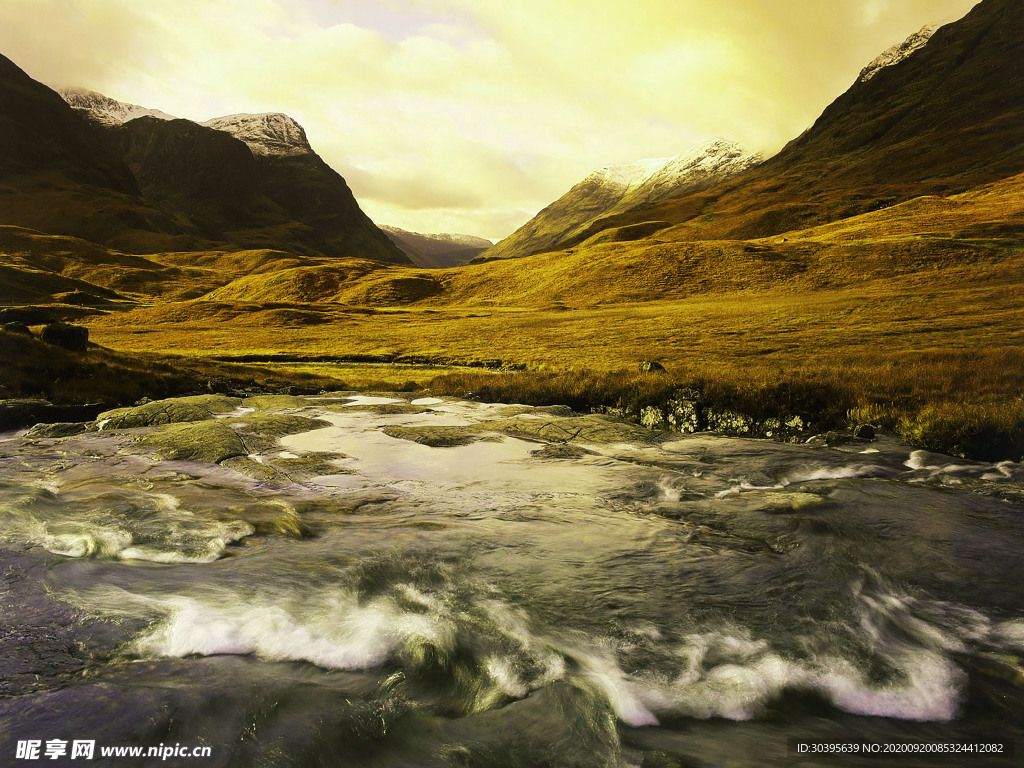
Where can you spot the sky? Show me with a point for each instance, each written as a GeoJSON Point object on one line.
{"type": "Point", "coordinates": [470, 116]}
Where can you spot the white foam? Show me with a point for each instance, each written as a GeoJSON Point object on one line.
{"type": "Point", "coordinates": [835, 473]}
{"type": "Point", "coordinates": [342, 635]}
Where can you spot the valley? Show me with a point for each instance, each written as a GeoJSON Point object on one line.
{"type": "Point", "coordinates": [719, 450]}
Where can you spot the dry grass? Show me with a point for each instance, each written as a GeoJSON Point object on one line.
{"type": "Point", "coordinates": [910, 317]}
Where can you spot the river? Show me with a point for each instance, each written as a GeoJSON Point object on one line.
{"type": "Point", "coordinates": [428, 582]}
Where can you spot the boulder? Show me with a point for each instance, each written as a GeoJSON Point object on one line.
{"type": "Point", "coordinates": [727, 422]}
{"type": "Point", "coordinates": [16, 326]}
{"type": "Point", "coordinates": [684, 411]}
{"type": "Point", "coordinates": [73, 337]}
{"type": "Point", "coordinates": [651, 366]}
{"type": "Point", "coordinates": [653, 417]}
{"type": "Point", "coordinates": [60, 429]}
{"type": "Point", "coordinates": [865, 432]}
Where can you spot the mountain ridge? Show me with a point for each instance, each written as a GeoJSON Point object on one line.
{"type": "Point", "coordinates": [946, 117]}
{"type": "Point", "coordinates": [141, 181]}
{"type": "Point", "coordinates": [437, 251]}
{"type": "Point", "coordinates": [616, 189]}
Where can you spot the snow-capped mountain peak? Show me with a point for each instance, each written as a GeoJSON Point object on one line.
{"type": "Point", "coordinates": [898, 52]}
{"type": "Point", "coordinates": [630, 175]}
{"type": "Point", "coordinates": [267, 133]}
{"type": "Point", "coordinates": [446, 237]}
{"type": "Point", "coordinates": [105, 110]}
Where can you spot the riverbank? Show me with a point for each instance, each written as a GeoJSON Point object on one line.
{"type": "Point", "coordinates": [962, 404]}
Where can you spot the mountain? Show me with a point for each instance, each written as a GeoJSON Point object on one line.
{"type": "Point", "coordinates": [141, 181]}
{"type": "Point", "coordinates": [58, 175]}
{"type": "Point", "coordinates": [898, 52]}
{"type": "Point", "coordinates": [437, 251]}
{"type": "Point", "coordinates": [616, 189]}
{"type": "Point", "coordinates": [946, 117]}
{"type": "Point", "coordinates": [105, 111]}
{"type": "Point", "coordinates": [266, 134]}
{"type": "Point", "coordinates": [294, 178]}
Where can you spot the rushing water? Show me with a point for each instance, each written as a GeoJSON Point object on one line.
{"type": "Point", "coordinates": [509, 602]}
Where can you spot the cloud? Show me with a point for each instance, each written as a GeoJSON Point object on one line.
{"type": "Point", "coordinates": [472, 112]}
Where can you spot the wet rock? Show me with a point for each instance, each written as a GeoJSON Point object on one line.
{"type": "Point", "coordinates": [865, 432]}
{"type": "Point", "coordinates": [60, 429]}
{"type": "Point", "coordinates": [18, 413]}
{"type": "Point", "coordinates": [206, 441]}
{"type": "Point", "coordinates": [276, 425]}
{"type": "Point", "coordinates": [73, 337]}
{"type": "Point", "coordinates": [172, 411]}
{"type": "Point", "coordinates": [438, 437]}
{"type": "Point", "coordinates": [592, 428]}
{"type": "Point", "coordinates": [561, 451]}
{"type": "Point", "coordinates": [653, 417]}
{"type": "Point", "coordinates": [834, 438]}
{"type": "Point", "coordinates": [18, 327]}
{"type": "Point", "coordinates": [245, 465]}
{"type": "Point", "coordinates": [651, 366]}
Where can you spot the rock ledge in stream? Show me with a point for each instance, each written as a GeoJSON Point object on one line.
{"type": "Point", "coordinates": [171, 411]}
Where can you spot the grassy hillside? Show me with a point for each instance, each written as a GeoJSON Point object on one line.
{"type": "Point", "coordinates": [947, 118]}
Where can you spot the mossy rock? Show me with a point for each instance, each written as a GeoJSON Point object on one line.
{"type": "Point", "coordinates": [208, 441]}
{"type": "Point", "coordinates": [65, 335]}
{"type": "Point", "coordinates": [386, 409]}
{"type": "Point", "coordinates": [60, 429]}
{"type": "Point", "coordinates": [276, 425]}
{"type": "Point", "coordinates": [593, 428]}
{"type": "Point", "coordinates": [243, 465]}
{"type": "Point", "coordinates": [311, 465]}
{"type": "Point", "coordinates": [171, 411]}
{"type": "Point", "coordinates": [276, 402]}
{"type": "Point", "coordinates": [289, 524]}
{"type": "Point", "coordinates": [438, 437]}
{"type": "Point", "coordinates": [561, 451]}
{"type": "Point", "coordinates": [16, 326]}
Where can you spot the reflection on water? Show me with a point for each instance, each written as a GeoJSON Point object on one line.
{"type": "Point", "coordinates": [508, 600]}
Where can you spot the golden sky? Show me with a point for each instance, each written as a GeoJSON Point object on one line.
{"type": "Point", "coordinates": [471, 115]}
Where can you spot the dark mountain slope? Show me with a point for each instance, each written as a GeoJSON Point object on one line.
{"type": "Point", "coordinates": [947, 118]}
{"type": "Point", "coordinates": [297, 180]}
{"type": "Point", "coordinates": [57, 175]}
{"type": "Point", "coordinates": [157, 184]}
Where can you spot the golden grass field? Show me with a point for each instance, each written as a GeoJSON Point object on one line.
{"type": "Point", "coordinates": [910, 316]}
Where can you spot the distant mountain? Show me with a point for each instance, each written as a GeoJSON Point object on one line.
{"type": "Point", "coordinates": [941, 116]}
{"type": "Point", "coordinates": [105, 111]}
{"type": "Point", "coordinates": [141, 181]}
{"type": "Point", "coordinates": [437, 251]}
{"type": "Point", "coordinates": [616, 189]}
